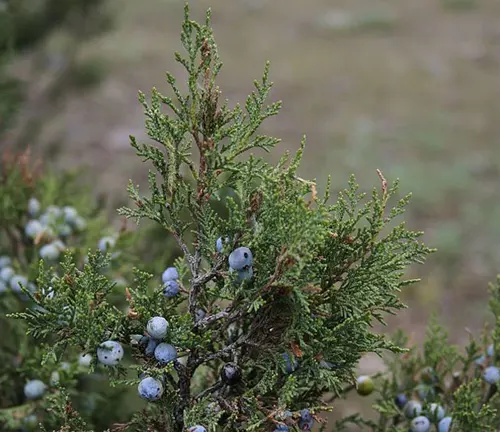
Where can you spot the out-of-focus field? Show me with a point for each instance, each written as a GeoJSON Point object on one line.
{"type": "Point", "coordinates": [410, 87]}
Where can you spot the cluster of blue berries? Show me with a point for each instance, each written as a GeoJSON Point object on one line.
{"type": "Point", "coordinates": [10, 279]}
{"type": "Point", "coordinates": [170, 279]}
{"type": "Point", "coordinates": [151, 389]}
{"type": "Point", "coordinates": [53, 226]}
{"type": "Point", "coordinates": [420, 414]}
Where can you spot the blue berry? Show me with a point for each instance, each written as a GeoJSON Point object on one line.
{"type": "Point", "coordinates": [157, 327]}
{"type": "Point", "coordinates": [491, 375]}
{"type": "Point", "coordinates": [34, 389]}
{"type": "Point", "coordinates": [150, 347]}
{"type": "Point", "coordinates": [240, 258]}
{"type": "Point", "coordinates": [401, 400]}
{"type": "Point", "coordinates": [70, 214]}
{"type": "Point", "coordinates": [17, 281]}
{"type": "Point", "coordinates": [6, 274]}
{"type": "Point", "coordinates": [54, 210]}
{"type": "Point", "coordinates": [170, 288]}
{"type": "Point", "coordinates": [219, 244]}
{"type": "Point", "coordinates": [243, 275]}
{"type": "Point", "coordinates": [143, 341]}
{"type": "Point", "coordinates": [65, 366]}
{"type": "Point", "coordinates": [84, 360]}
{"type": "Point", "coordinates": [420, 424]}
{"type": "Point", "coordinates": [436, 412]}
{"type": "Point", "coordinates": [480, 360]}
{"type": "Point", "coordinates": [306, 415]}
{"type": "Point", "coordinates": [150, 389]}
{"type": "Point", "coordinates": [170, 274]}
{"type": "Point", "coordinates": [306, 421]}
{"type": "Point", "coordinates": [3, 287]}
{"type": "Point", "coordinates": [230, 373]}
{"type": "Point", "coordinates": [289, 367]}
{"type": "Point", "coordinates": [490, 351]}
{"type": "Point", "coordinates": [110, 353]}
{"type": "Point", "coordinates": [412, 409]}
{"type": "Point", "coordinates": [33, 228]}
{"type": "Point", "coordinates": [50, 252]}
{"type": "Point", "coordinates": [197, 428]}
{"type": "Point", "coordinates": [33, 207]}
{"type": "Point", "coordinates": [5, 261]}
{"type": "Point", "coordinates": [445, 424]}
{"type": "Point", "coordinates": [165, 353]}
{"type": "Point", "coordinates": [106, 243]}
{"type": "Point", "coordinates": [281, 428]}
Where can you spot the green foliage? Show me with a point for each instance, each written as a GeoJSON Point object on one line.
{"type": "Point", "coordinates": [440, 373]}
{"type": "Point", "coordinates": [23, 357]}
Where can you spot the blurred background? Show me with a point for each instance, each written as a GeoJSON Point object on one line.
{"type": "Point", "coordinates": [409, 87]}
